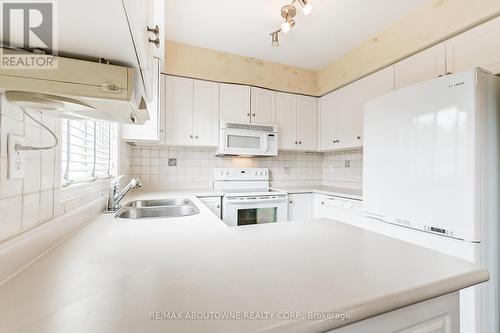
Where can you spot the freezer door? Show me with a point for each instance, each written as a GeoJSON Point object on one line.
{"type": "Point", "coordinates": [420, 157]}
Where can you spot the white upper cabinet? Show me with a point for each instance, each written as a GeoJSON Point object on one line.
{"type": "Point", "coordinates": [341, 121]}
{"type": "Point", "coordinates": [286, 117]}
{"type": "Point", "coordinates": [307, 126]}
{"type": "Point", "coordinates": [179, 111]}
{"type": "Point", "coordinates": [423, 66]}
{"type": "Point", "coordinates": [206, 113]}
{"type": "Point", "coordinates": [192, 112]}
{"type": "Point", "coordinates": [152, 129]}
{"type": "Point", "coordinates": [352, 101]}
{"type": "Point", "coordinates": [478, 47]}
{"type": "Point", "coordinates": [297, 118]}
{"type": "Point", "coordinates": [143, 17]}
{"type": "Point", "coordinates": [234, 103]}
{"type": "Point", "coordinates": [263, 106]}
{"type": "Point", "coordinates": [329, 121]}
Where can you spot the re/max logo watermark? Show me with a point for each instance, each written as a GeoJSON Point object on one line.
{"type": "Point", "coordinates": [28, 34]}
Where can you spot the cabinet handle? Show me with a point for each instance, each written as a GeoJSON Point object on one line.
{"type": "Point", "coordinates": [190, 136]}
{"type": "Point", "coordinates": [358, 137]}
{"type": "Point", "coordinates": [196, 136]}
{"type": "Point", "coordinates": [248, 114]}
{"type": "Point", "coordinates": [322, 202]}
{"type": "Point", "coordinates": [295, 142]}
{"type": "Point", "coordinates": [155, 30]}
{"type": "Point", "coordinates": [155, 41]}
{"type": "Point", "coordinates": [253, 114]}
{"type": "Point", "coordinates": [300, 142]}
{"type": "Point", "coordinates": [449, 73]}
{"type": "Point", "coordinates": [291, 202]}
{"type": "Point", "coordinates": [218, 206]}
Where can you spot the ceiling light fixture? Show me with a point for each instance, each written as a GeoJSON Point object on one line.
{"type": "Point", "coordinates": [288, 12]}
{"type": "Point", "coordinates": [274, 36]}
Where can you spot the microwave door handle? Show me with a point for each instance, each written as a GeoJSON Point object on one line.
{"type": "Point", "coordinates": [266, 143]}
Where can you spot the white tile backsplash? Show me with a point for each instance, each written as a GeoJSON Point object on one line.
{"type": "Point", "coordinates": [195, 167]}
{"type": "Point", "coordinates": [336, 172]}
{"type": "Point", "coordinates": [25, 203]}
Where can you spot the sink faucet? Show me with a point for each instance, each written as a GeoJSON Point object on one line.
{"type": "Point", "coordinates": [115, 195]}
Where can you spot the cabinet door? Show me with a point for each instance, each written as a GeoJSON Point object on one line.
{"type": "Point", "coordinates": [329, 121]}
{"type": "Point", "coordinates": [299, 206]}
{"type": "Point", "coordinates": [139, 16]}
{"type": "Point", "coordinates": [423, 66]}
{"type": "Point", "coordinates": [179, 111]}
{"type": "Point", "coordinates": [307, 123]}
{"type": "Point", "coordinates": [234, 103]}
{"type": "Point", "coordinates": [206, 113]}
{"type": "Point", "coordinates": [286, 117]}
{"type": "Point", "coordinates": [263, 106]}
{"type": "Point", "coordinates": [150, 130]}
{"type": "Point", "coordinates": [213, 203]}
{"type": "Point", "coordinates": [352, 100]}
{"type": "Point", "coordinates": [478, 47]}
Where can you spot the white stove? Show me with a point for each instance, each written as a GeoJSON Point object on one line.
{"type": "Point", "coordinates": [247, 197]}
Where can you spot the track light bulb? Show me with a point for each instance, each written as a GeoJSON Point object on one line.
{"type": "Point", "coordinates": [287, 25]}
{"type": "Point", "coordinates": [306, 6]}
{"type": "Point", "coordinates": [275, 40]}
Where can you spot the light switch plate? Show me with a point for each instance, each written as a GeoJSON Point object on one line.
{"type": "Point", "coordinates": [16, 159]}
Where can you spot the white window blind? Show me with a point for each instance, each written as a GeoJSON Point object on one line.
{"type": "Point", "coordinates": [89, 150]}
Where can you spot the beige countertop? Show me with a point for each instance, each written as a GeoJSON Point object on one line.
{"type": "Point", "coordinates": [349, 193]}
{"type": "Point", "coordinates": [113, 274]}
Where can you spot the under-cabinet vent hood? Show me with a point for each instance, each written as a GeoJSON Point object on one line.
{"type": "Point", "coordinates": [78, 89]}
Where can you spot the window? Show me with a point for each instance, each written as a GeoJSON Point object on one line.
{"type": "Point", "coordinates": [89, 150]}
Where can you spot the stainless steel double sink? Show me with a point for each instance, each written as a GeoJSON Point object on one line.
{"type": "Point", "coordinates": [164, 208]}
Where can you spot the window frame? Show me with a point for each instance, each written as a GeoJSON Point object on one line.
{"type": "Point", "coordinates": [112, 140]}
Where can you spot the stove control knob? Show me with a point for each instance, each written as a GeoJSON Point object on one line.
{"type": "Point", "coordinates": [256, 173]}
{"type": "Point", "coordinates": [227, 173]}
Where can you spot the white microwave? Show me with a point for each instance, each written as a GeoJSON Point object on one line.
{"type": "Point", "coordinates": [243, 139]}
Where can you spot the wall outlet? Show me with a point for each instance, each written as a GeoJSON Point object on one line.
{"type": "Point", "coordinates": [287, 170]}
{"type": "Point", "coordinates": [347, 163]}
{"type": "Point", "coordinates": [16, 159]}
{"type": "Point", "coordinates": [172, 162]}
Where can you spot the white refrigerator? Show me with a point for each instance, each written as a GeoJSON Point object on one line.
{"type": "Point", "coordinates": [431, 176]}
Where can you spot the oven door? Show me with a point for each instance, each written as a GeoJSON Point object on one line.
{"type": "Point", "coordinates": [247, 142]}
{"type": "Point", "coordinates": [239, 211]}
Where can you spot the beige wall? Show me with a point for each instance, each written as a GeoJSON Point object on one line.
{"type": "Point", "coordinates": [196, 62]}
{"type": "Point", "coordinates": [434, 22]}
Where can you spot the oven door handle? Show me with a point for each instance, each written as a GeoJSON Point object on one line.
{"type": "Point", "coordinates": [248, 202]}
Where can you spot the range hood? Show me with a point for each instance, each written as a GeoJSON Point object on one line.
{"type": "Point", "coordinates": [78, 89]}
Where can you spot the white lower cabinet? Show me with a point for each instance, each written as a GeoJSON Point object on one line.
{"type": "Point", "coordinates": [300, 206]}
{"type": "Point", "coordinates": [213, 203]}
{"type": "Point", "coordinates": [437, 315]}
{"type": "Point", "coordinates": [340, 209]}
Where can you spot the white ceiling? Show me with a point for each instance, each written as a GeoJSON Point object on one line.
{"type": "Point", "coordinates": [243, 26]}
